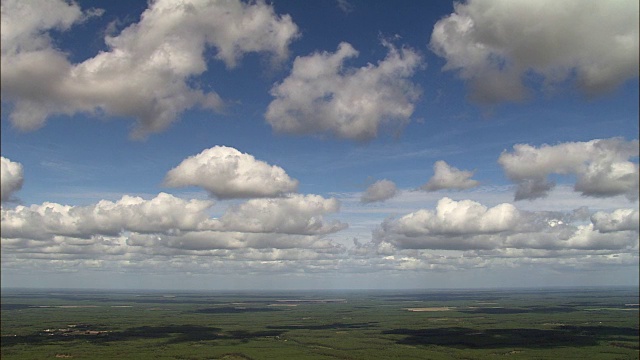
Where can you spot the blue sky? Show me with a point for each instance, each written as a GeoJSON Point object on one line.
{"type": "Point", "coordinates": [294, 144]}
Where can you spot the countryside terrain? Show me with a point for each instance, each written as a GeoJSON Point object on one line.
{"type": "Point", "coordinates": [577, 323]}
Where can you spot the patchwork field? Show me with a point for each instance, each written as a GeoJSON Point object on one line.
{"type": "Point", "coordinates": [447, 324]}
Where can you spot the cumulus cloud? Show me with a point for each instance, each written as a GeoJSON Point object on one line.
{"type": "Point", "coordinates": [483, 237]}
{"type": "Point", "coordinates": [602, 167]}
{"type": "Point", "coordinates": [456, 218]}
{"type": "Point", "coordinates": [11, 177]}
{"type": "Point", "coordinates": [282, 234]}
{"type": "Point", "coordinates": [619, 220]}
{"type": "Point", "coordinates": [579, 237]}
{"type": "Point", "coordinates": [296, 214]}
{"type": "Point", "coordinates": [469, 225]}
{"type": "Point", "coordinates": [145, 73]}
{"type": "Point", "coordinates": [495, 45]}
{"type": "Point", "coordinates": [222, 251]}
{"type": "Point", "coordinates": [227, 173]}
{"type": "Point", "coordinates": [164, 213]}
{"type": "Point", "coordinates": [448, 177]}
{"type": "Point", "coordinates": [322, 96]}
{"type": "Point", "coordinates": [217, 240]}
{"type": "Point", "coordinates": [177, 223]}
{"type": "Point", "coordinates": [381, 190]}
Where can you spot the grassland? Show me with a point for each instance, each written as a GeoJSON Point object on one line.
{"type": "Point", "coordinates": [451, 324]}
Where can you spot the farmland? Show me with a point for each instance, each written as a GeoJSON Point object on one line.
{"type": "Point", "coordinates": [552, 323]}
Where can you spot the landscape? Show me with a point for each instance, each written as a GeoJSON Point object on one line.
{"type": "Point", "coordinates": [320, 179]}
{"type": "Point", "coordinates": [550, 323]}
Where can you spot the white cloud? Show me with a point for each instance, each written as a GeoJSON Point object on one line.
{"type": "Point", "coordinates": [219, 252]}
{"type": "Point", "coordinates": [321, 96]}
{"type": "Point", "coordinates": [164, 213]}
{"type": "Point", "coordinates": [618, 220]}
{"type": "Point", "coordinates": [227, 173]}
{"type": "Point", "coordinates": [253, 238]}
{"type": "Point", "coordinates": [345, 6]}
{"type": "Point", "coordinates": [22, 27]}
{"type": "Point", "coordinates": [455, 218]}
{"type": "Point", "coordinates": [11, 178]}
{"type": "Point", "coordinates": [227, 250]}
{"type": "Point", "coordinates": [166, 222]}
{"type": "Point", "coordinates": [565, 236]}
{"type": "Point", "coordinates": [296, 214]}
{"type": "Point", "coordinates": [468, 225]}
{"type": "Point", "coordinates": [602, 167]}
{"type": "Point", "coordinates": [449, 177]}
{"type": "Point", "coordinates": [214, 240]}
{"type": "Point", "coordinates": [145, 73]}
{"type": "Point", "coordinates": [496, 44]}
{"type": "Point", "coordinates": [381, 190]}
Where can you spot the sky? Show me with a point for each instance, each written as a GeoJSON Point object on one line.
{"type": "Point", "coordinates": [208, 145]}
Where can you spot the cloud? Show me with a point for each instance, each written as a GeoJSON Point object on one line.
{"type": "Point", "coordinates": [194, 242]}
{"type": "Point", "coordinates": [322, 96]}
{"type": "Point", "coordinates": [345, 6]}
{"type": "Point", "coordinates": [11, 177]}
{"type": "Point", "coordinates": [381, 190]}
{"type": "Point", "coordinates": [469, 225]}
{"type": "Point", "coordinates": [282, 234]}
{"type": "Point", "coordinates": [602, 167]}
{"type": "Point", "coordinates": [296, 214]}
{"type": "Point", "coordinates": [619, 220]}
{"type": "Point", "coordinates": [456, 218]}
{"type": "Point", "coordinates": [497, 45]}
{"type": "Point", "coordinates": [483, 238]}
{"type": "Point", "coordinates": [580, 237]}
{"type": "Point", "coordinates": [449, 177]}
{"type": "Point", "coordinates": [170, 221]}
{"type": "Point", "coordinates": [164, 213]}
{"type": "Point", "coordinates": [147, 70]}
{"type": "Point", "coordinates": [227, 173]}
{"type": "Point", "coordinates": [226, 250]}
{"type": "Point", "coordinates": [533, 189]}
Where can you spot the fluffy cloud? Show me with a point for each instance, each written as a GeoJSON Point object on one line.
{"type": "Point", "coordinates": [602, 167]}
{"type": "Point", "coordinates": [146, 71]}
{"type": "Point", "coordinates": [543, 239]}
{"type": "Point", "coordinates": [297, 214]}
{"type": "Point", "coordinates": [262, 234]}
{"type": "Point", "coordinates": [11, 177]}
{"type": "Point", "coordinates": [216, 240]}
{"type": "Point", "coordinates": [468, 225]}
{"type": "Point", "coordinates": [258, 222]}
{"type": "Point", "coordinates": [164, 213]}
{"type": "Point", "coordinates": [381, 190]}
{"type": "Point", "coordinates": [321, 96]}
{"type": "Point", "coordinates": [449, 177]}
{"type": "Point", "coordinates": [565, 236]}
{"type": "Point", "coordinates": [619, 220]}
{"type": "Point", "coordinates": [224, 249]}
{"type": "Point", "coordinates": [455, 218]}
{"type": "Point", "coordinates": [496, 44]}
{"type": "Point", "coordinates": [227, 173]}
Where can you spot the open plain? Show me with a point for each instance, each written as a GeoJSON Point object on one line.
{"type": "Point", "coordinates": [575, 323]}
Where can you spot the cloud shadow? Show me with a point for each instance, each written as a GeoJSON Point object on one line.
{"type": "Point", "coordinates": [459, 337]}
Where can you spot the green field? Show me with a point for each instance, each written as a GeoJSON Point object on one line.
{"type": "Point", "coordinates": [430, 324]}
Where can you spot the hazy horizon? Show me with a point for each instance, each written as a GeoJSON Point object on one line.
{"type": "Point", "coordinates": [329, 291]}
